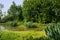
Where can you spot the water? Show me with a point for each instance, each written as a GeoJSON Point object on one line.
{"type": "Point", "coordinates": [2, 28]}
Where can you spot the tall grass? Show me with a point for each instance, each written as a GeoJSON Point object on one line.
{"type": "Point", "coordinates": [22, 35]}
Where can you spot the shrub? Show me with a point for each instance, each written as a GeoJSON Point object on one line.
{"type": "Point", "coordinates": [31, 25]}
{"type": "Point", "coordinates": [12, 23]}
{"type": "Point", "coordinates": [53, 31]}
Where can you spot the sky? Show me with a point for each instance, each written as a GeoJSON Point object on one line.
{"type": "Point", "coordinates": [7, 4]}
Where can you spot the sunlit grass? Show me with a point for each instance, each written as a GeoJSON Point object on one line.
{"type": "Point", "coordinates": [20, 35]}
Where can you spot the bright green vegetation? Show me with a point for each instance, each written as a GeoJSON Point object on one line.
{"type": "Point", "coordinates": [22, 35]}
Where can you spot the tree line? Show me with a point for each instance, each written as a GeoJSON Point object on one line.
{"type": "Point", "coordinates": [40, 11]}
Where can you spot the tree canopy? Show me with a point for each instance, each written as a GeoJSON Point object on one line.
{"type": "Point", "coordinates": [44, 11]}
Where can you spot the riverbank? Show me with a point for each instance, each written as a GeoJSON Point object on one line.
{"type": "Point", "coordinates": [25, 26]}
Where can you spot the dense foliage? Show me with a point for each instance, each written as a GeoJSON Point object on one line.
{"type": "Point", "coordinates": [53, 31]}
{"type": "Point", "coordinates": [44, 11]}
{"type": "Point", "coordinates": [31, 25]}
{"type": "Point", "coordinates": [15, 12]}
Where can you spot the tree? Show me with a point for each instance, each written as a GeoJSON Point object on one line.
{"type": "Point", "coordinates": [31, 10]}
{"type": "Point", "coordinates": [1, 6]}
{"type": "Point", "coordinates": [12, 10]}
{"type": "Point", "coordinates": [15, 12]}
{"type": "Point", "coordinates": [19, 13]}
{"type": "Point", "coordinates": [44, 11]}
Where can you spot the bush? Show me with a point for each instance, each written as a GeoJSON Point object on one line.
{"type": "Point", "coordinates": [12, 23]}
{"type": "Point", "coordinates": [53, 31]}
{"type": "Point", "coordinates": [31, 25]}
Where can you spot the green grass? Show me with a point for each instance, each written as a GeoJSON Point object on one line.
{"type": "Point", "coordinates": [21, 35]}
